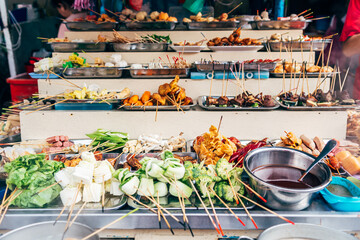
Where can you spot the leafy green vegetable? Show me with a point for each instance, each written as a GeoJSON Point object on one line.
{"type": "Point", "coordinates": [31, 174]}
{"type": "Point", "coordinates": [166, 154]}
{"type": "Point", "coordinates": [108, 139]}
{"type": "Point", "coordinates": [223, 167]}
{"type": "Point", "coordinates": [156, 38]}
{"type": "Point", "coordinates": [31, 171]}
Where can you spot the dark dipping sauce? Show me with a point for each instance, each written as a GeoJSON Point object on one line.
{"type": "Point", "coordinates": [285, 176]}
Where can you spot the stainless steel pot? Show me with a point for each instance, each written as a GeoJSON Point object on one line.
{"type": "Point", "coordinates": [281, 198]}
{"type": "Point", "coordinates": [47, 230]}
{"type": "Point", "coordinates": [303, 231]}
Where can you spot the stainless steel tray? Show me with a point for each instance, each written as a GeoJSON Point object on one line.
{"type": "Point", "coordinates": [105, 155]}
{"type": "Point", "coordinates": [78, 46]}
{"type": "Point", "coordinates": [217, 66]}
{"type": "Point", "coordinates": [92, 26]}
{"type": "Point", "coordinates": [202, 104]}
{"type": "Point", "coordinates": [139, 47]}
{"type": "Point", "coordinates": [92, 72]}
{"type": "Point", "coordinates": [308, 74]}
{"type": "Point", "coordinates": [241, 48]}
{"type": "Point", "coordinates": [172, 203]}
{"type": "Point", "coordinates": [123, 158]}
{"type": "Point", "coordinates": [110, 101]}
{"type": "Point", "coordinates": [316, 45]}
{"type": "Point", "coordinates": [159, 108]}
{"type": "Point", "coordinates": [160, 25]}
{"type": "Point", "coordinates": [267, 25]}
{"type": "Point", "coordinates": [111, 203]}
{"type": "Point", "coordinates": [318, 108]}
{"type": "Point", "coordinates": [269, 66]}
{"type": "Point", "coordinates": [211, 25]}
{"type": "Point", "coordinates": [159, 72]}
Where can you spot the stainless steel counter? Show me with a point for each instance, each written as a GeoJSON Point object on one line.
{"type": "Point", "coordinates": [318, 213]}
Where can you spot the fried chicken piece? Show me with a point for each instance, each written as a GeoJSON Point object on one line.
{"type": "Point", "coordinates": [181, 95]}
{"type": "Point", "coordinates": [161, 100]}
{"type": "Point", "coordinates": [187, 101]}
{"type": "Point", "coordinates": [164, 89]}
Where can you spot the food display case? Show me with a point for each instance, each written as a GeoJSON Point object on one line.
{"type": "Point", "coordinates": [248, 122]}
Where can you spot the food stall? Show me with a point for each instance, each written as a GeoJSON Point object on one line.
{"type": "Point", "coordinates": [241, 115]}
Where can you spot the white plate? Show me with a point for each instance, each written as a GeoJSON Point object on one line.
{"type": "Point", "coordinates": [189, 49]}
{"type": "Point", "coordinates": [250, 48]}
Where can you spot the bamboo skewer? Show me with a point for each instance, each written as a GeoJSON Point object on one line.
{"type": "Point", "coordinates": [314, 19]}
{"type": "Point", "coordinates": [77, 214]}
{"type": "Point", "coordinates": [252, 190]}
{"type": "Point", "coordinates": [232, 189]}
{"type": "Point", "coordinates": [346, 74]}
{"type": "Point", "coordinates": [308, 14]}
{"type": "Point", "coordinates": [46, 188]}
{"type": "Point", "coordinates": [46, 106]}
{"type": "Point", "coordinates": [227, 206]}
{"type": "Point", "coordinates": [215, 215]}
{"type": "Point", "coordinates": [265, 208]}
{"type": "Point", "coordinates": [142, 204]}
{"type": "Point", "coordinates": [166, 221]}
{"type": "Point", "coordinates": [7, 199]}
{"type": "Point", "coordinates": [304, 12]}
{"type": "Point", "coordinates": [65, 79]}
{"type": "Point", "coordinates": [206, 210]}
{"type": "Point", "coordinates": [103, 195]}
{"type": "Point", "coordinates": [8, 204]}
{"type": "Point", "coordinates": [72, 207]}
{"type": "Point", "coordinates": [3, 200]}
{"type": "Point", "coordinates": [248, 213]}
{"type": "Point", "coordinates": [158, 211]}
{"type": "Point", "coordinates": [94, 12]}
{"type": "Point", "coordinates": [235, 8]}
{"type": "Point", "coordinates": [162, 208]}
{"type": "Point", "coordinates": [108, 225]}
{"type": "Point", "coordinates": [61, 212]}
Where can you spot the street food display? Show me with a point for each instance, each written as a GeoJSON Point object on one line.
{"type": "Point", "coordinates": [302, 43]}
{"type": "Point", "coordinates": [96, 18]}
{"type": "Point", "coordinates": [98, 22]}
{"type": "Point", "coordinates": [195, 171]}
{"type": "Point", "coordinates": [128, 15]}
{"type": "Point", "coordinates": [200, 22]}
{"type": "Point", "coordinates": [170, 96]}
{"type": "Point", "coordinates": [233, 40]}
{"type": "Point", "coordinates": [77, 67]}
{"type": "Point", "coordinates": [245, 101]}
{"type": "Point", "coordinates": [144, 21]}
{"type": "Point", "coordinates": [318, 100]}
{"type": "Point", "coordinates": [263, 22]}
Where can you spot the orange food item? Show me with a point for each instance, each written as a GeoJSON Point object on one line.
{"type": "Point", "coordinates": [133, 99]}
{"type": "Point", "coordinates": [350, 163]}
{"type": "Point", "coordinates": [163, 16]}
{"type": "Point", "coordinates": [145, 97]}
{"type": "Point", "coordinates": [139, 103]}
{"type": "Point", "coordinates": [172, 19]}
{"type": "Point", "coordinates": [149, 104]}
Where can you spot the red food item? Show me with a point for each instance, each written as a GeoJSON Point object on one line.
{"type": "Point", "coordinates": [52, 139]}
{"type": "Point", "coordinates": [98, 156]}
{"type": "Point", "coordinates": [239, 155]}
{"type": "Point", "coordinates": [57, 144]}
{"type": "Point", "coordinates": [334, 163]}
{"type": "Point", "coordinates": [236, 142]}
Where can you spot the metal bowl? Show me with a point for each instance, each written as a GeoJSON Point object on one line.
{"type": "Point", "coordinates": [281, 198]}
{"type": "Point", "coordinates": [47, 230]}
{"type": "Point", "coordinates": [303, 231]}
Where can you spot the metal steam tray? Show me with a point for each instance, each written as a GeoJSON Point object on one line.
{"type": "Point", "coordinates": [202, 104]}
{"type": "Point", "coordinates": [92, 72]}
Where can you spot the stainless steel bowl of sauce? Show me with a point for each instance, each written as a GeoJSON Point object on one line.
{"type": "Point", "coordinates": [274, 174]}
